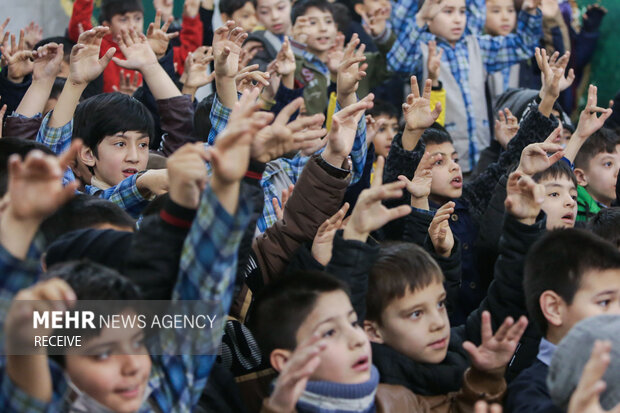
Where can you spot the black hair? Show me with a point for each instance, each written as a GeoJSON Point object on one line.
{"type": "Point", "coordinates": [400, 267]}
{"type": "Point", "coordinates": [559, 169]}
{"type": "Point", "coordinates": [84, 211]}
{"type": "Point", "coordinates": [107, 114]}
{"type": "Point", "coordinates": [558, 262]}
{"type": "Point", "coordinates": [606, 224]}
{"type": "Point", "coordinates": [111, 8]}
{"type": "Point", "coordinates": [230, 6]}
{"type": "Point", "coordinates": [342, 16]}
{"type": "Point", "coordinates": [65, 42]}
{"type": "Point", "coordinates": [282, 306]}
{"type": "Point", "coordinates": [202, 121]}
{"type": "Point", "coordinates": [59, 84]}
{"type": "Point", "coordinates": [301, 7]}
{"type": "Point", "coordinates": [435, 135]}
{"type": "Point", "coordinates": [10, 146]}
{"type": "Point", "coordinates": [602, 141]}
{"type": "Point", "coordinates": [384, 108]}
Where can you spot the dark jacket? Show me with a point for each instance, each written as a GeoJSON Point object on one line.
{"type": "Point", "coordinates": [528, 393]}
{"type": "Point", "coordinates": [12, 93]}
{"type": "Point", "coordinates": [271, 45]}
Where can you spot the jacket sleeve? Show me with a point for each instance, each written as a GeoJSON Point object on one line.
{"type": "Point", "coordinates": [191, 39]}
{"type": "Point", "coordinates": [478, 385]}
{"type": "Point", "coordinates": [317, 196]}
{"type": "Point", "coordinates": [206, 16]}
{"type": "Point", "coordinates": [12, 93]}
{"type": "Point", "coordinates": [82, 13]}
{"type": "Point", "coordinates": [153, 260]}
{"type": "Point", "coordinates": [177, 123]}
{"type": "Point", "coordinates": [22, 127]}
{"type": "Point", "coordinates": [451, 269]}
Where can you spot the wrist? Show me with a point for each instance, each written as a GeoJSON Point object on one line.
{"type": "Point", "coordinates": [150, 69]}
{"type": "Point", "coordinates": [14, 79]}
{"type": "Point", "coordinates": [16, 233]}
{"type": "Point", "coordinates": [351, 234]}
{"type": "Point", "coordinates": [420, 203]}
{"type": "Point", "coordinates": [527, 221]}
{"type": "Point", "coordinates": [333, 158]}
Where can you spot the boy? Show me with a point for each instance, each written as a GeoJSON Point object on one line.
{"type": "Point", "coordinates": [385, 127]}
{"type": "Point", "coordinates": [242, 12]}
{"type": "Point", "coordinates": [501, 20]}
{"type": "Point", "coordinates": [596, 167]}
{"type": "Point", "coordinates": [275, 16]}
{"type": "Point", "coordinates": [469, 55]}
{"type": "Point", "coordinates": [119, 381]}
{"type": "Point", "coordinates": [323, 354]}
{"type": "Point", "coordinates": [569, 275]}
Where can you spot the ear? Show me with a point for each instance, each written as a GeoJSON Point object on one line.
{"type": "Point", "coordinates": [373, 331]}
{"type": "Point", "coordinates": [105, 23]}
{"type": "Point", "coordinates": [86, 156]}
{"type": "Point", "coordinates": [552, 307]}
{"type": "Point", "coordinates": [359, 8]}
{"type": "Point", "coordinates": [582, 178]}
{"type": "Point", "coordinates": [278, 358]}
{"type": "Point", "coordinates": [225, 17]}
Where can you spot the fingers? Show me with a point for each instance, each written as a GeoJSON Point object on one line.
{"type": "Point", "coordinates": [288, 111]}
{"type": "Point", "coordinates": [516, 331]}
{"type": "Point", "coordinates": [167, 24]}
{"type": "Point", "coordinates": [415, 90]}
{"type": "Point", "coordinates": [378, 179]}
{"type": "Point", "coordinates": [427, 89]}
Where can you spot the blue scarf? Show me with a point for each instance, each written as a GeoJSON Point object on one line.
{"type": "Point", "coordinates": [329, 397]}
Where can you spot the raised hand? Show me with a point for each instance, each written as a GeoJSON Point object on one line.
{"type": "Point", "coordinates": [246, 78]}
{"type": "Point", "coordinates": [4, 35]}
{"type": "Point", "coordinates": [187, 174]}
{"type": "Point", "coordinates": [562, 62]}
{"type": "Point", "coordinates": [506, 127]}
{"type": "Point", "coordinates": [439, 231]}
{"type": "Point", "coordinates": [428, 11]}
{"type": "Point", "coordinates": [158, 35]}
{"type": "Point", "coordinates": [524, 197]}
{"type": "Point", "coordinates": [534, 157]}
{"type": "Point", "coordinates": [531, 6]}
{"type": "Point", "coordinates": [342, 134]}
{"type": "Point", "coordinates": [279, 209]}
{"type": "Point", "coordinates": [350, 72]}
{"type": "Point", "coordinates": [86, 65]}
{"type": "Point", "coordinates": [195, 72]}
{"type": "Point", "coordinates": [586, 397]}
{"type": "Point", "coordinates": [137, 51]}
{"type": "Point", "coordinates": [324, 239]}
{"type": "Point", "coordinates": [417, 109]}
{"type": "Point", "coordinates": [33, 34]}
{"type": "Point", "coordinates": [375, 22]}
{"type": "Point", "coordinates": [551, 77]}
{"type": "Point", "coordinates": [227, 41]}
{"type": "Point", "coordinates": [335, 54]}
{"type": "Point", "coordinates": [495, 351]}
{"type": "Point", "coordinates": [18, 59]}
{"type": "Point", "coordinates": [128, 84]}
{"type": "Point", "coordinates": [285, 60]}
{"type": "Point", "coordinates": [434, 62]}
{"type": "Point", "coordinates": [369, 213]}
{"type": "Point", "coordinates": [420, 186]}
{"type": "Point", "coordinates": [294, 376]}
{"type": "Point", "coordinates": [300, 29]}
{"type": "Point", "coordinates": [47, 61]}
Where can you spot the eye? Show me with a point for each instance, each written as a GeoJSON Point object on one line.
{"type": "Point", "coordinates": [554, 194]}
{"type": "Point", "coordinates": [439, 162]}
{"type": "Point", "coordinates": [416, 314]}
{"type": "Point", "coordinates": [103, 356]}
{"type": "Point", "coordinates": [608, 164]}
{"type": "Point", "coordinates": [119, 144]}
{"type": "Point", "coordinates": [382, 129]}
{"type": "Point", "coordinates": [604, 303]}
{"type": "Point", "coordinates": [574, 197]}
{"type": "Point", "coordinates": [143, 145]}
{"type": "Point", "coordinates": [441, 304]}
{"type": "Point", "coordinates": [138, 343]}
{"type": "Point", "coordinates": [329, 333]}
{"type": "Point", "coordinates": [356, 324]}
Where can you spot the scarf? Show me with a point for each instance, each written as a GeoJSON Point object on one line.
{"type": "Point", "coordinates": [329, 397]}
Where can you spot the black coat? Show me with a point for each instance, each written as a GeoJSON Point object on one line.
{"type": "Point", "coordinates": [528, 393]}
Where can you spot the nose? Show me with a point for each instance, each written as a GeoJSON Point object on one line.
{"type": "Point", "coordinates": [132, 154]}
{"type": "Point", "coordinates": [130, 364]}
{"type": "Point", "coordinates": [570, 202]}
{"type": "Point", "coordinates": [356, 337]}
{"type": "Point", "coordinates": [454, 166]}
{"type": "Point", "coordinates": [438, 321]}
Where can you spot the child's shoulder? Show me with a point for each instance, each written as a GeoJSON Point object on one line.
{"type": "Point", "coordinates": [397, 398]}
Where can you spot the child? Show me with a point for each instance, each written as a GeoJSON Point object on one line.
{"type": "Point", "coordinates": [569, 275]}
{"type": "Point", "coordinates": [501, 21]}
{"type": "Point", "coordinates": [275, 16]}
{"type": "Point", "coordinates": [468, 55]}
{"type": "Point", "coordinates": [385, 127]}
{"type": "Point", "coordinates": [596, 167]}
{"type": "Point", "coordinates": [242, 12]}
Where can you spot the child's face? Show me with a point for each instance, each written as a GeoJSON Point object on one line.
{"type": "Point", "coordinates": [560, 202]}
{"type": "Point", "coordinates": [120, 156]}
{"type": "Point", "coordinates": [244, 17]}
{"type": "Point", "coordinates": [131, 20]}
{"type": "Point", "coordinates": [417, 325]}
{"type": "Point", "coordinates": [275, 15]}
{"type": "Point", "coordinates": [347, 357]}
{"type": "Point", "coordinates": [599, 293]}
{"type": "Point", "coordinates": [116, 370]}
{"type": "Point", "coordinates": [386, 129]}
{"type": "Point", "coordinates": [447, 176]}
{"type": "Point", "coordinates": [449, 23]}
{"type": "Point", "coordinates": [321, 30]}
{"type": "Point", "coordinates": [601, 176]}
{"type": "Point", "coordinates": [501, 17]}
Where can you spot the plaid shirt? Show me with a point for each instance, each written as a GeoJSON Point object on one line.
{"type": "Point", "coordinates": [498, 52]}
{"type": "Point", "coordinates": [125, 194]}
{"type": "Point", "coordinates": [207, 272]}
{"type": "Point", "coordinates": [291, 167]}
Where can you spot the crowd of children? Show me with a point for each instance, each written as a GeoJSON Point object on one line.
{"type": "Point", "coordinates": [459, 255]}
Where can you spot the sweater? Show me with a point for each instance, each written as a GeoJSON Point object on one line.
{"type": "Point", "coordinates": [587, 206]}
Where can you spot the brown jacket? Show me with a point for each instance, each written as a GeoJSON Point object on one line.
{"type": "Point", "coordinates": [398, 399]}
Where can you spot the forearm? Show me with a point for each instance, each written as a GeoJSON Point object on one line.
{"type": "Point", "coordinates": [227, 194]}
{"type": "Point", "coordinates": [226, 90]}
{"type": "Point", "coordinates": [35, 98]}
{"type": "Point", "coordinates": [410, 138]}
{"type": "Point", "coordinates": [67, 102]}
{"type": "Point", "coordinates": [31, 374]}
{"type": "Point", "coordinates": [159, 82]}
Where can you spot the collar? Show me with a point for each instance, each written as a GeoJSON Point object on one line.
{"type": "Point", "coordinates": [315, 62]}
{"type": "Point", "coordinates": [545, 351]}
{"type": "Point", "coordinates": [588, 200]}
{"type": "Point", "coordinates": [459, 204]}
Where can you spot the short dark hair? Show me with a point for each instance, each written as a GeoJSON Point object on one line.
{"type": "Point", "coordinates": [559, 169]}
{"type": "Point", "coordinates": [602, 141]}
{"type": "Point", "coordinates": [111, 8]}
{"type": "Point", "coordinates": [606, 224]}
{"type": "Point", "coordinates": [57, 87]}
{"type": "Point", "coordinates": [435, 135]}
{"type": "Point", "coordinates": [272, 326]}
{"type": "Point", "coordinates": [107, 114]}
{"type": "Point", "coordinates": [301, 7]}
{"type": "Point", "coordinates": [383, 108]}
{"type": "Point", "coordinates": [10, 146]}
{"type": "Point", "coordinates": [230, 6]}
{"type": "Point", "coordinates": [202, 122]}
{"type": "Point", "coordinates": [401, 266]}
{"type": "Point", "coordinates": [558, 261]}
{"type": "Point", "coordinates": [65, 42]}
{"type": "Point", "coordinates": [84, 211]}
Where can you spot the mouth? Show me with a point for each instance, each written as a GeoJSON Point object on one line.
{"type": "Point", "coordinates": [362, 364]}
{"type": "Point", "coordinates": [439, 344]}
{"type": "Point", "coordinates": [323, 39]}
{"type": "Point", "coordinates": [277, 27]}
{"type": "Point", "coordinates": [129, 171]}
{"type": "Point", "coordinates": [457, 30]}
{"type": "Point", "coordinates": [129, 392]}
{"type": "Point", "coordinates": [506, 28]}
{"type": "Point", "coordinates": [457, 182]}
{"type": "Point", "coordinates": [569, 219]}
